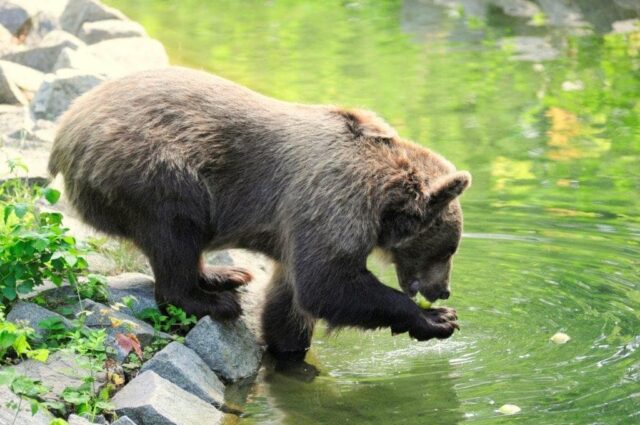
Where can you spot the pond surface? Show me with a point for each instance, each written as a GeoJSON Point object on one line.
{"type": "Point", "coordinates": [544, 111]}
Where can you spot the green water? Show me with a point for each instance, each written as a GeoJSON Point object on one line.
{"type": "Point", "coordinates": [552, 231]}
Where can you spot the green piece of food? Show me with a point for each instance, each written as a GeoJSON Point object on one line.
{"type": "Point", "coordinates": [422, 302]}
{"type": "Point", "coordinates": [509, 409]}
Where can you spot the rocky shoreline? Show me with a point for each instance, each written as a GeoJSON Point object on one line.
{"type": "Point", "coordinates": [52, 51]}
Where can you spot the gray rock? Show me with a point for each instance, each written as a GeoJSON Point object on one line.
{"type": "Point", "coordinates": [77, 12]}
{"type": "Point", "coordinates": [79, 420]}
{"type": "Point", "coordinates": [32, 314]}
{"type": "Point", "coordinates": [151, 399]}
{"type": "Point", "coordinates": [116, 322]}
{"type": "Point", "coordinates": [6, 40]}
{"type": "Point", "coordinates": [94, 32]}
{"type": "Point", "coordinates": [58, 90]}
{"type": "Point", "coordinates": [137, 285]}
{"type": "Point", "coordinates": [186, 369]}
{"type": "Point", "coordinates": [228, 348]}
{"type": "Point", "coordinates": [14, 15]}
{"type": "Point", "coordinates": [13, 119]}
{"type": "Point", "coordinates": [9, 91]}
{"type": "Point", "coordinates": [61, 370]}
{"type": "Point", "coordinates": [27, 79]}
{"type": "Point", "coordinates": [529, 48]}
{"type": "Point", "coordinates": [8, 414]}
{"type": "Point", "coordinates": [44, 56]}
{"type": "Point", "coordinates": [517, 8]}
{"type": "Point", "coordinates": [123, 420]}
{"type": "Point", "coordinates": [115, 58]}
{"type": "Point", "coordinates": [625, 26]}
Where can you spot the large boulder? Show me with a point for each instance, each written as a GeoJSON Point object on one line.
{"type": "Point", "coordinates": [61, 370]}
{"type": "Point", "coordinates": [58, 90]}
{"type": "Point", "coordinates": [9, 91]}
{"type": "Point", "coordinates": [115, 58]}
{"type": "Point", "coordinates": [44, 56]}
{"type": "Point", "coordinates": [15, 15]}
{"type": "Point", "coordinates": [150, 399]}
{"type": "Point", "coordinates": [77, 12]}
{"type": "Point", "coordinates": [186, 369]}
{"type": "Point", "coordinates": [116, 322]}
{"type": "Point", "coordinates": [24, 417]}
{"type": "Point", "coordinates": [32, 315]}
{"type": "Point", "coordinates": [94, 32]}
{"type": "Point", "coordinates": [228, 348]}
{"type": "Point", "coordinates": [25, 78]}
{"type": "Point", "coordinates": [137, 285]}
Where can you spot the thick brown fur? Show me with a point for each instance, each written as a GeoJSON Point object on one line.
{"type": "Point", "coordinates": [181, 161]}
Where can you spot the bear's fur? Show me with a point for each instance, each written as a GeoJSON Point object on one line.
{"type": "Point", "coordinates": [181, 161]}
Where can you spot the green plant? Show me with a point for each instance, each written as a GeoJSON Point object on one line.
{"type": "Point", "coordinates": [175, 321]}
{"type": "Point", "coordinates": [34, 246]}
{"type": "Point", "coordinates": [27, 389]}
{"type": "Point", "coordinates": [84, 400]}
{"type": "Point", "coordinates": [15, 342]}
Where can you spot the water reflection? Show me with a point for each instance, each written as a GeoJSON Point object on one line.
{"type": "Point", "coordinates": [540, 102]}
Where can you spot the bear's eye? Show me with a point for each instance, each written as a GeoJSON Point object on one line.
{"type": "Point", "coordinates": [448, 253]}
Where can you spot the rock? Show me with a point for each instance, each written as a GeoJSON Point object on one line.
{"type": "Point", "coordinates": [13, 119]}
{"type": "Point", "coordinates": [517, 8]}
{"type": "Point", "coordinates": [27, 79]}
{"type": "Point", "coordinates": [115, 58]}
{"type": "Point", "coordinates": [8, 414]}
{"type": "Point", "coordinates": [116, 322]}
{"type": "Point", "coordinates": [9, 91]}
{"type": "Point", "coordinates": [137, 285]}
{"type": "Point", "coordinates": [32, 314]}
{"type": "Point", "coordinates": [626, 26]}
{"type": "Point", "coordinates": [124, 420]}
{"type": "Point", "coordinates": [58, 90]}
{"type": "Point", "coordinates": [6, 40]}
{"type": "Point", "coordinates": [530, 48]}
{"type": "Point", "coordinates": [44, 56]}
{"type": "Point", "coordinates": [79, 420]}
{"type": "Point", "coordinates": [61, 370]}
{"type": "Point", "coordinates": [228, 348]}
{"type": "Point", "coordinates": [14, 15]}
{"type": "Point", "coordinates": [94, 32]}
{"type": "Point", "coordinates": [77, 12]}
{"type": "Point", "coordinates": [87, 418]}
{"type": "Point", "coordinates": [183, 367]}
{"type": "Point", "coordinates": [151, 399]}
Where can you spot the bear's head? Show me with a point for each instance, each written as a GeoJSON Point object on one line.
{"type": "Point", "coordinates": [422, 231]}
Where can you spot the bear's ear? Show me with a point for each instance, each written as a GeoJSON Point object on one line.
{"type": "Point", "coordinates": [366, 124]}
{"type": "Point", "coordinates": [446, 189]}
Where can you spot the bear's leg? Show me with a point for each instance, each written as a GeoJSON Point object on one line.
{"type": "Point", "coordinates": [174, 254]}
{"type": "Point", "coordinates": [345, 293]}
{"type": "Point", "coordinates": [287, 331]}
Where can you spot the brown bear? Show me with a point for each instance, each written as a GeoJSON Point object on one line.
{"type": "Point", "coordinates": [181, 161]}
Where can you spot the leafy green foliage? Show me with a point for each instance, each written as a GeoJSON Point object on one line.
{"type": "Point", "coordinates": [34, 246]}
{"type": "Point", "coordinates": [27, 389]}
{"type": "Point", "coordinates": [15, 342]}
{"type": "Point", "coordinates": [175, 321]}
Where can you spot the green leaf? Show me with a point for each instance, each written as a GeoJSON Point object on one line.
{"type": "Point", "coordinates": [7, 376]}
{"type": "Point", "coordinates": [41, 354]}
{"type": "Point", "coordinates": [7, 212]}
{"type": "Point", "coordinates": [21, 210]}
{"type": "Point", "coordinates": [51, 195]}
{"type": "Point", "coordinates": [35, 406]}
{"type": "Point", "coordinates": [9, 292]}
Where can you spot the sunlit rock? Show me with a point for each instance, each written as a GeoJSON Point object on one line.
{"type": "Point", "coordinates": [151, 399]}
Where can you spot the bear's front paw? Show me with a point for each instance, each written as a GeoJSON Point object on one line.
{"type": "Point", "coordinates": [435, 323]}
{"type": "Point", "coordinates": [223, 305]}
